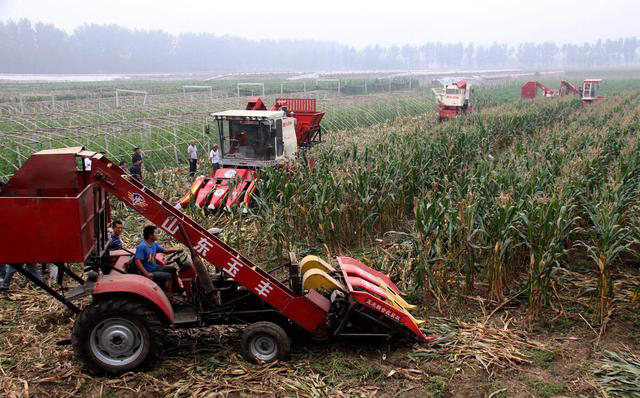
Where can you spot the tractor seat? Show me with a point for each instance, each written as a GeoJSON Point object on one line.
{"type": "Point", "coordinates": [122, 259]}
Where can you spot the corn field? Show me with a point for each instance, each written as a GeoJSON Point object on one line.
{"type": "Point", "coordinates": [496, 202]}
{"type": "Point", "coordinates": [499, 201]}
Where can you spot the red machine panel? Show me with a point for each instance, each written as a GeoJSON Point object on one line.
{"type": "Point", "coordinates": [375, 291]}
{"type": "Point", "coordinates": [307, 117]}
{"type": "Point", "coordinates": [46, 229]}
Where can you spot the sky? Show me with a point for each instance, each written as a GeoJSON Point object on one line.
{"type": "Point", "coordinates": [353, 22]}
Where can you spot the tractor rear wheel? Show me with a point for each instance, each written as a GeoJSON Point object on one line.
{"type": "Point", "coordinates": [265, 342]}
{"type": "Point", "coordinates": [117, 335]}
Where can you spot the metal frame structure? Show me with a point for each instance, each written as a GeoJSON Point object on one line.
{"type": "Point", "coordinates": [121, 90]}
{"type": "Point", "coordinates": [249, 84]}
{"type": "Point", "coordinates": [304, 86]}
{"type": "Point", "coordinates": [329, 81]}
{"type": "Point", "coordinates": [23, 96]}
{"type": "Point", "coordinates": [365, 81]}
{"type": "Point", "coordinates": [184, 90]}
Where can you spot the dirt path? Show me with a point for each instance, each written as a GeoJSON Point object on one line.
{"type": "Point", "coordinates": [504, 357]}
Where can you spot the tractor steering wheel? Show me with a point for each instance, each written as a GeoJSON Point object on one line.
{"type": "Point", "coordinates": [172, 258]}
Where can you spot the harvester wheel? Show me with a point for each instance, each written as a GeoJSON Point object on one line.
{"type": "Point", "coordinates": [117, 335]}
{"type": "Point", "coordinates": [265, 342]}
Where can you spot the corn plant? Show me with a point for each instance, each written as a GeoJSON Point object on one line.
{"type": "Point", "coordinates": [546, 225]}
{"type": "Point", "coordinates": [430, 216]}
{"type": "Point", "coordinates": [608, 240]}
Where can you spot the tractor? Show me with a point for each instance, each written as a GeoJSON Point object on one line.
{"type": "Point", "coordinates": [122, 316]}
{"type": "Point", "coordinates": [251, 139]}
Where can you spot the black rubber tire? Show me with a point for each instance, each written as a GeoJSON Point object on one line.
{"type": "Point", "coordinates": [152, 331]}
{"type": "Point", "coordinates": [265, 330]}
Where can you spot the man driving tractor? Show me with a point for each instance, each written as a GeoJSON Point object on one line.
{"type": "Point", "coordinates": [145, 261]}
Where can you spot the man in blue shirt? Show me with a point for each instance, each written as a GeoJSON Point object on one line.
{"type": "Point", "coordinates": [136, 170]}
{"type": "Point", "coordinates": [145, 260]}
{"type": "Point", "coordinates": [137, 156]}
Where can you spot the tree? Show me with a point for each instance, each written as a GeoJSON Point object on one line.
{"type": "Point", "coordinates": [91, 48]}
{"type": "Point", "coordinates": [629, 49]}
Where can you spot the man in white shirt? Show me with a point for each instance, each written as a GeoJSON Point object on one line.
{"type": "Point", "coordinates": [87, 164]}
{"type": "Point", "coordinates": [193, 158]}
{"type": "Point", "coordinates": [214, 155]}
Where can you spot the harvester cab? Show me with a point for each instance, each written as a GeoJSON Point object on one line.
{"type": "Point", "coordinates": [453, 99]}
{"type": "Point", "coordinates": [255, 138]}
{"type": "Point", "coordinates": [590, 88]}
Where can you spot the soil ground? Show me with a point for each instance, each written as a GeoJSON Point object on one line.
{"type": "Point", "coordinates": [479, 354]}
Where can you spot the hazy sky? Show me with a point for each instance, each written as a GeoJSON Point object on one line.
{"type": "Point", "coordinates": [352, 22]}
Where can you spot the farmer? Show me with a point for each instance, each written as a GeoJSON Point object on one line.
{"type": "Point", "coordinates": [115, 243]}
{"type": "Point", "coordinates": [192, 151]}
{"type": "Point", "coordinates": [243, 138]}
{"type": "Point", "coordinates": [240, 140]}
{"type": "Point", "coordinates": [214, 155]}
{"type": "Point", "coordinates": [136, 155]}
{"type": "Point", "coordinates": [136, 170]}
{"type": "Point", "coordinates": [145, 261]}
{"type": "Point", "coordinates": [33, 269]}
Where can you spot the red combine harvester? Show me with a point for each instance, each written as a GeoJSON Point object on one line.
{"type": "Point", "coordinates": [250, 139]}
{"type": "Point", "coordinates": [530, 90]}
{"type": "Point", "coordinates": [588, 91]}
{"type": "Point", "coordinates": [122, 327]}
{"type": "Point", "coordinates": [453, 100]}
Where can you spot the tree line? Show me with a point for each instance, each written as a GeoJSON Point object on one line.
{"type": "Point", "coordinates": [91, 48]}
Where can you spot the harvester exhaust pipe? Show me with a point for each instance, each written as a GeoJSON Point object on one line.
{"type": "Point", "coordinates": [201, 270]}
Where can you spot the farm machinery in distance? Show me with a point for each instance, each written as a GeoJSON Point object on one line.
{"type": "Point", "coordinates": [588, 92]}
{"type": "Point", "coordinates": [453, 99]}
{"type": "Point", "coordinates": [122, 320]}
{"type": "Point", "coordinates": [250, 139]}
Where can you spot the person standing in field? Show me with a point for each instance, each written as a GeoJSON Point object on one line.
{"type": "Point", "coordinates": [193, 158]}
{"type": "Point", "coordinates": [136, 170]}
{"type": "Point", "coordinates": [214, 155]}
{"type": "Point", "coordinates": [33, 269]}
{"type": "Point", "coordinates": [137, 157]}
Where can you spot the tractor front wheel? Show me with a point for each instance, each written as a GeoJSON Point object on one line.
{"type": "Point", "coordinates": [117, 335]}
{"type": "Point", "coordinates": [265, 342]}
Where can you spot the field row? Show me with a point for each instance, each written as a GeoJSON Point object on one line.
{"type": "Point", "coordinates": [505, 197]}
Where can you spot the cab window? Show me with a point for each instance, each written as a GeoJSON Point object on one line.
{"type": "Point", "coordinates": [279, 139]}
